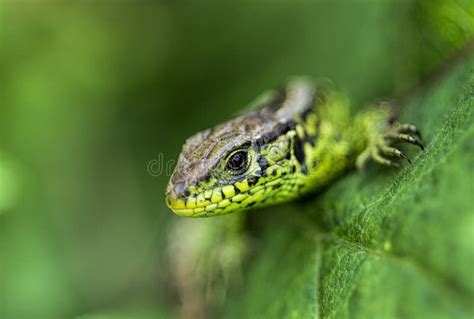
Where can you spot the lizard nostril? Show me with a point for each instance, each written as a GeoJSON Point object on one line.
{"type": "Point", "coordinates": [181, 190]}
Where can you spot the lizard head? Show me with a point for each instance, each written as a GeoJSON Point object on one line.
{"type": "Point", "coordinates": [252, 160]}
{"type": "Point", "coordinates": [223, 170]}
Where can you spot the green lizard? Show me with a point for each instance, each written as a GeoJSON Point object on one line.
{"type": "Point", "coordinates": [292, 142]}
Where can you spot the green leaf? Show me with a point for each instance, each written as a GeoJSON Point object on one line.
{"type": "Point", "coordinates": [8, 184]}
{"type": "Point", "coordinates": [380, 243]}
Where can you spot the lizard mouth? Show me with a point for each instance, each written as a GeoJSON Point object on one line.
{"type": "Point", "coordinates": [218, 201]}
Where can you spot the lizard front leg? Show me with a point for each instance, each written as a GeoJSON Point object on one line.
{"type": "Point", "coordinates": [382, 133]}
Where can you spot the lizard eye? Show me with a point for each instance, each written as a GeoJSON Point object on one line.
{"type": "Point", "coordinates": [237, 161]}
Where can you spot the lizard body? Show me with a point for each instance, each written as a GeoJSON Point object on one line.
{"type": "Point", "coordinates": [292, 142]}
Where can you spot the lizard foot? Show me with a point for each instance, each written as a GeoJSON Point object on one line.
{"type": "Point", "coordinates": [381, 149]}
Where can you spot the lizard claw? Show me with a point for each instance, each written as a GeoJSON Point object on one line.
{"type": "Point", "coordinates": [380, 147]}
{"type": "Point", "coordinates": [392, 151]}
{"type": "Point", "coordinates": [378, 158]}
{"type": "Point", "coordinates": [401, 137]}
{"type": "Point", "coordinates": [409, 129]}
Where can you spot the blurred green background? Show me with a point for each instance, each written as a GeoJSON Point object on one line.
{"type": "Point", "coordinates": [92, 91]}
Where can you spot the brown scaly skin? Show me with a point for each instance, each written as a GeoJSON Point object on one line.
{"type": "Point", "coordinates": [292, 142]}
